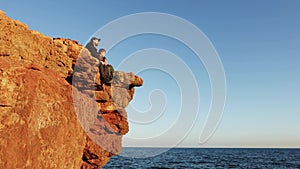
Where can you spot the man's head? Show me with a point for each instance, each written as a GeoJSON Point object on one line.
{"type": "Point", "coordinates": [95, 41]}
{"type": "Point", "coordinates": [102, 52]}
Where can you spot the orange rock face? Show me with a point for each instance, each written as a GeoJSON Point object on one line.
{"type": "Point", "coordinates": [54, 112]}
{"type": "Point", "coordinates": [22, 44]}
{"type": "Point", "coordinates": [38, 120]}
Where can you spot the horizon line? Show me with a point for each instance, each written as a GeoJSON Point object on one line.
{"type": "Point", "coordinates": [221, 147]}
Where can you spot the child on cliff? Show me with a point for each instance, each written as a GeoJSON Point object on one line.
{"type": "Point", "coordinates": [106, 72]}
{"type": "Point", "coordinates": [101, 54]}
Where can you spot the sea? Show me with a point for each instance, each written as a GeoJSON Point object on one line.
{"type": "Point", "coordinates": [206, 158]}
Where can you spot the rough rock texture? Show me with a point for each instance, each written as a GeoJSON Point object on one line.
{"type": "Point", "coordinates": [38, 123]}
{"type": "Point", "coordinates": [54, 112]}
{"type": "Point", "coordinates": [106, 124]}
{"type": "Point", "coordinates": [22, 44]}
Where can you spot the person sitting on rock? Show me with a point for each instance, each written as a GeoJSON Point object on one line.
{"type": "Point", "coordinates": [106, 72]}
{"type": "Point", "coordinates": [92, 46]}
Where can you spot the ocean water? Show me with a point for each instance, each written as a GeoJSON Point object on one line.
{"type": "Point", "coordinates": [208, 158]}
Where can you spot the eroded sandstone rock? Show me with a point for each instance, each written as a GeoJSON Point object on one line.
{"type": "Point", "coordinates": [39, 127]}
{"type": "Point", "coordinates": [54, 111]}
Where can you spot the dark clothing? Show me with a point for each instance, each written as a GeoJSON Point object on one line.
{"type": "Point", "coordinates": [100, 58]}
{"type": "Point", "coordinates": [92, 49]}
{"type": "Point", "coordinates": [106, 73]}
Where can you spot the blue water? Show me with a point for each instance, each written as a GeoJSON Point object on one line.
{"type": "Point", "coordinates": [210, 158]}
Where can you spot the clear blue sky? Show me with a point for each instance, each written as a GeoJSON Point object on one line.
{"type": "Point", "coordinates": [258, 43]}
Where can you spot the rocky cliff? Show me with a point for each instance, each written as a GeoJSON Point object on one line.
{"type": "Point", "coordinates": [54, 112]}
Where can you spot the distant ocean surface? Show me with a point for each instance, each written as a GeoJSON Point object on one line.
{"type": "Point", "coordinates": [209, 158]}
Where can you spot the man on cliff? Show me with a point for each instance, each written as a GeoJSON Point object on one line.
{"type": "Point", "coordinates": [91, 46]}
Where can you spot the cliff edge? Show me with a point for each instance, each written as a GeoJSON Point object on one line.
{"type": "Point", "coordinates": [54, 113]}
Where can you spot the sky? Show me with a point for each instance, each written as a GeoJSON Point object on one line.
{"type": "Point", "coordinates": [258, 45]}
